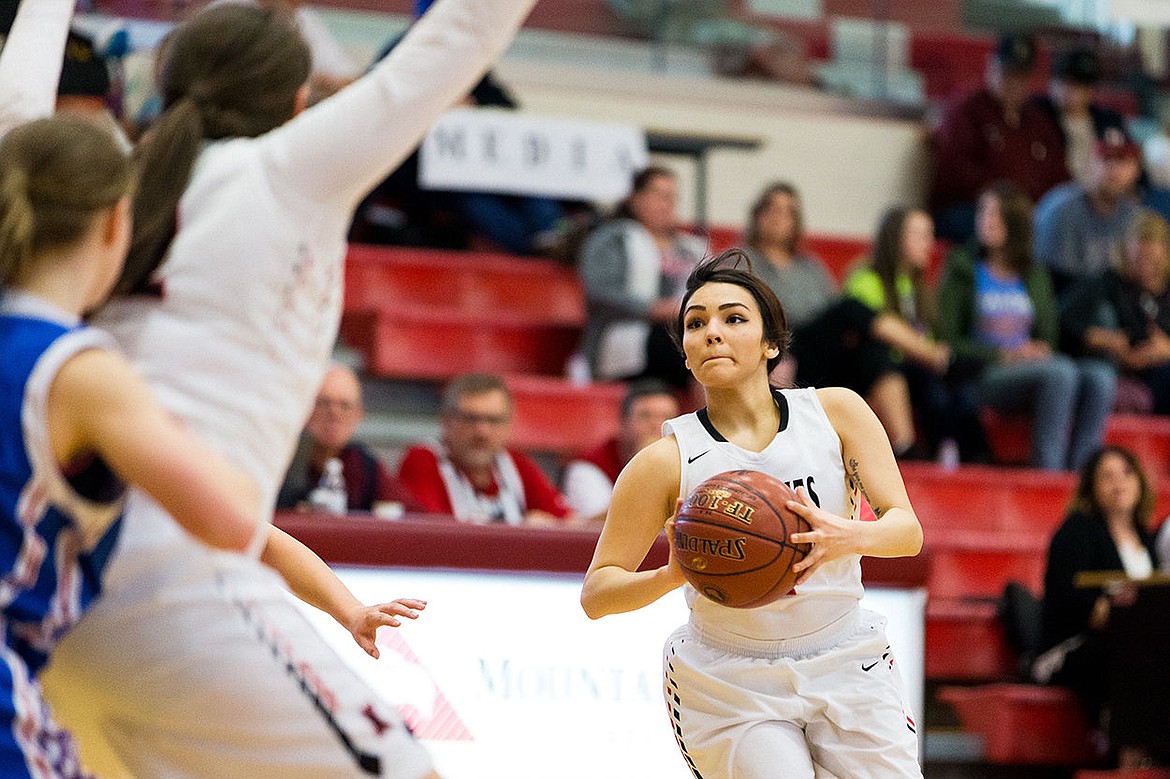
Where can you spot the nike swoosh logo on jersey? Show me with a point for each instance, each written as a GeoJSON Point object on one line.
{"type": "Point", "coordinates": [866, 668]}
{"type": "Point", "coordinates": [696, 457]}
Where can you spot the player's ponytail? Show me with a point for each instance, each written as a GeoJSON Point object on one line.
{"type": "Point", "coordinates": [231, 71]}
{"type": "Point", "coordinates": [56, 176]}
{"type": "Point", "coordinates": [16, 222]}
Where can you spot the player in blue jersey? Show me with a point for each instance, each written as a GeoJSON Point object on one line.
{"type": "Point", "coordinates": [76, 423]}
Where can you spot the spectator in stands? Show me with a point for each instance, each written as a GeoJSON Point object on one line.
{"type": "Point", "coordinates": [1106, 529]}
{"type": "Point", "coordinates": [329, 434]}
{"type": "Point", "coordinates": [1081, 230]}
{"type": "Point", "coordinates": [997, 310]}
{"type": "Point", "coordinates": [633, 268]}
{"type": "Point", "coordinates": [833, 341]}
{"type": "Point", "coordinates": [894, 286]}
{"type": "Point", "coordinates": [994, 135]}
{"type": "Point", "coordinates": [85, 89]}
{"type": "Point", "coordinates": [1070, 105]}
{"type": "Point", "coordinates": [471, 473]}
{"type": "Point", "coordinates": [400, 212]}
{"type": "Point", "coordinates": [589, 479]}
{"type": "Point", "coordinates": [1124, 314]}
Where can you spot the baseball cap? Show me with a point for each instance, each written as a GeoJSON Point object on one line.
{"type": "Point", "coordinates": [84, 72]}
{"type": "Point", "coordinates": [1078, 66]}
{"type": "Point", "coordinates": [1016, 52]}
{"type": "Point", "coordinates": [1117, 145]}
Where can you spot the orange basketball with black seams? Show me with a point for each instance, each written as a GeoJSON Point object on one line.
{"type": "Point", "coordinates": [731, 539]}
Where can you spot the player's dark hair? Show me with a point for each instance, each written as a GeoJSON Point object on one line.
{"type": "Point", "coordinates": [232, 71]}
{"type": "Point", "coordinates": [735, 267]}
{"type": "Point", "coordinates": [752, 238]}
{"type": "Point", "coordinates": [56, 176]}
{"type": "Point", "coordinates": [1085, 496]}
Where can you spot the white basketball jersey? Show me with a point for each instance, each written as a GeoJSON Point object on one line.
{"type": "Point", "coordinates": [806, 452]}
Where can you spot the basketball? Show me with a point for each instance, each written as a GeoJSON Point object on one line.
{"type": "Point", "coordinates": [731, 539]}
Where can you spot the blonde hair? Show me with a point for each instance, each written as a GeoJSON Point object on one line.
{"type": "Point", "coordinates": [56, 176]}
{"type": "Point", "coordinates": [1149, 227]}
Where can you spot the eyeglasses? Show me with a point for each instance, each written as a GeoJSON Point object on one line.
{"type": "Point", "coordinates": [469, 419]}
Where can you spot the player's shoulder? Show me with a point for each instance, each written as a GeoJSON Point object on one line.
{"type": "Point", "coordinates": [841, 404]}
{"type": "Point", "coordinates": [654, 463]}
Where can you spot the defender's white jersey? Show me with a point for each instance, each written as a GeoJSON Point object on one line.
{"type": "Point", "coordinates": [250, 291]}
{"type": "Point", "coordinates": [806, 452]}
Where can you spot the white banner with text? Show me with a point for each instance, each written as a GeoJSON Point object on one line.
{"type": "Point", "coordinates": [488, 150]}
{"type": "Point", "coordinates": [504, 677]}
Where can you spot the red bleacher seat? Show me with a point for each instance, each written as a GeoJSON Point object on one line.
{"type": "Point", "coordinates": [423, 342]}
{"type": "Point", "coordinates": [1124, 773]}
{"type": "Point", "coordinates": [983, 498]}
{"type": "Point", "coordinates": [979, 563]}
{"type": "Point", "coordinates": [554, 415]}
{"type": "Point", "coordinates": [1023, 724]}
{"type": "Point", "coordinates": [965, 641]}
{"type": "Point", "coordinates": [1148, 436]}
{"type": "Point", "coordinates": [383, 277]}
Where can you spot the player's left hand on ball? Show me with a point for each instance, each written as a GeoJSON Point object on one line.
{"type": "Point", "coordinates": [364, 626]}
{"type": "Point", "coordinates": [831, 536]}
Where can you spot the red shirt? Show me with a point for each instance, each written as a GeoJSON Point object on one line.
{"type": "Point", "coordinates": [419, 474]}
{"type": "Point", "coordinates": [975, 147]}
{"type": "Point", "coordinates": [607, 457]}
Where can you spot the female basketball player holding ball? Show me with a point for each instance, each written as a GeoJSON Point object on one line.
{"type": "Point", "coordinates": [805, 686]}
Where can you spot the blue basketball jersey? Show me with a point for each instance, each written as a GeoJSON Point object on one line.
{"type": "Point", "coordinates": [57, 528]}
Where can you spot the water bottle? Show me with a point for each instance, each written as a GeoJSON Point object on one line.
{"type": "Point", "coordinates": [948, 454]}
{"type": "Point", "coordinates": [330, 495]}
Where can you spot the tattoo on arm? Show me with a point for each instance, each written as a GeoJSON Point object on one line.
{"type": "Point", "coordinates": [855, 477]}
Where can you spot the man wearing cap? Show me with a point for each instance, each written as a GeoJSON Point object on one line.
{"type": "Point", "coordinates": [1069, 102]}
{"type": "Point", "coordinates": [994, 135]}
{"type": "Point", "coordinates": [1080, 230]}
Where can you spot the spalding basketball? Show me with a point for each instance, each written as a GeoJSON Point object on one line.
{"type": "Point", "coordinates": [731, 539]}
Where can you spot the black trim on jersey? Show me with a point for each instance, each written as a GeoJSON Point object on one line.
{"type": "Point", "coordinates": [781, 406]}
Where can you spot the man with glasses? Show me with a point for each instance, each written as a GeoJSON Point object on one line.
{"type": "Point", "coordinates": [329, 435]}
{"type": "Point", "coordinates": [471, 473]}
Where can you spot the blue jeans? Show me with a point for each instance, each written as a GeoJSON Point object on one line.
{"type": "Point", "coordinates": [1070, 401]}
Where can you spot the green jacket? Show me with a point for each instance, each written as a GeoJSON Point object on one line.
{"type": "Point", "coordinates": [956, 306]}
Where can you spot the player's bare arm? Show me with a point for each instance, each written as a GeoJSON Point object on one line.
{"type": "Point", "coordinates": [644, 499]}
{"type": "Point", "coordinates": [99, 404]}
{"type": "Point", "coordinates": [314, 582]}
{"type": "Point", "coordinates": [870, 465]}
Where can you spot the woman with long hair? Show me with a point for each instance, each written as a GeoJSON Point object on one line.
{"type": "Point", "coordinates": [997, 310]}
{"type": "Point", "coordinates": [834, 340]}
{"type": "Point", "coordinates": [77, 424]}
{"type": "Point", "coordinates": [1107, 528]}
{"type": "Point", "coordinates": [808, 680]}
{"type": "Point", "coordinates": [893, 284]}
{"type": "Point", "coordinates": [229, 305]}
{"type": "Point", "coordinates": [633, 267]}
